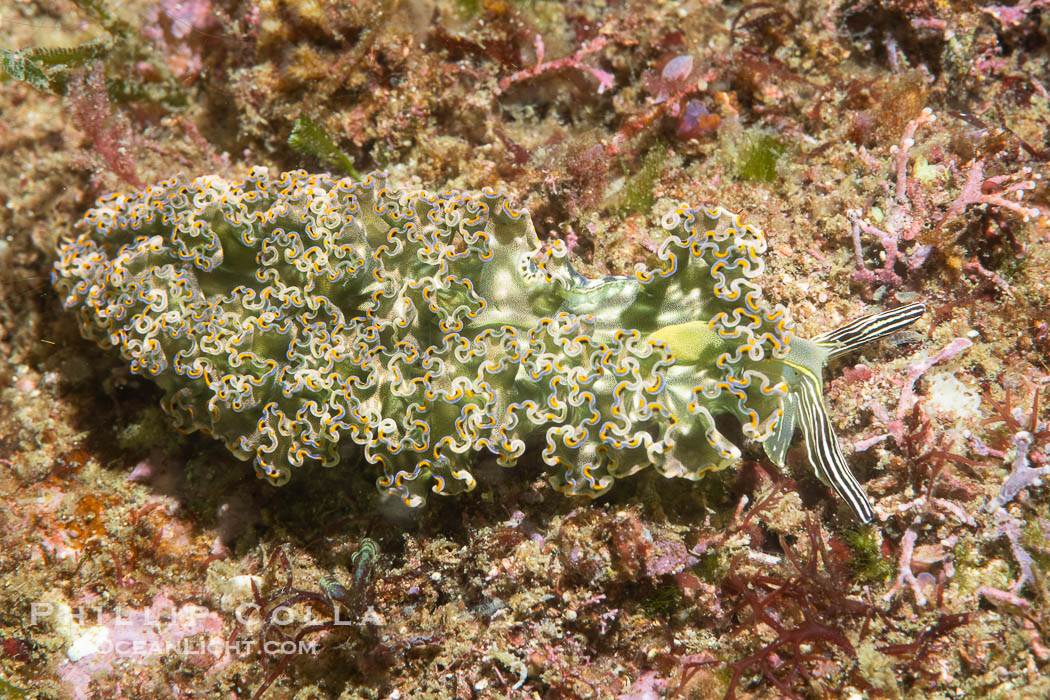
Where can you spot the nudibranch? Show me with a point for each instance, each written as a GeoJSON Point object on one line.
{"type": "Point", "coordinates": [308, 319]}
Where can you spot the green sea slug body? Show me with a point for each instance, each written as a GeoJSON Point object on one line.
{"type": "Point", "coordinates": [304, 318]}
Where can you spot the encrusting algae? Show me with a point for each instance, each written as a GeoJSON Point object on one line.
{"type": "Point", "coordinates": [300, 318]}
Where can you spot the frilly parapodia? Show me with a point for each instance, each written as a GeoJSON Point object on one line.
{"type": "Point", "coordinates": [307, 319]}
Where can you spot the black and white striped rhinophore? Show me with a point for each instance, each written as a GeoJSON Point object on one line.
{"type": "Point", "coordinates": [868, 328]}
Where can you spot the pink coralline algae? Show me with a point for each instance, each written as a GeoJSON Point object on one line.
{"type": "Point", "coordinates": [181, 29]}
{"type": "Point", "coordinates": [99, 641]}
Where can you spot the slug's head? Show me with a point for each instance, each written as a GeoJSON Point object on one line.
{"type": "Point", "coordinates": [803, 406]}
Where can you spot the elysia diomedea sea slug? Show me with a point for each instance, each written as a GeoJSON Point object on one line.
{"type": "Point", "coordinates": [301, 317]}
